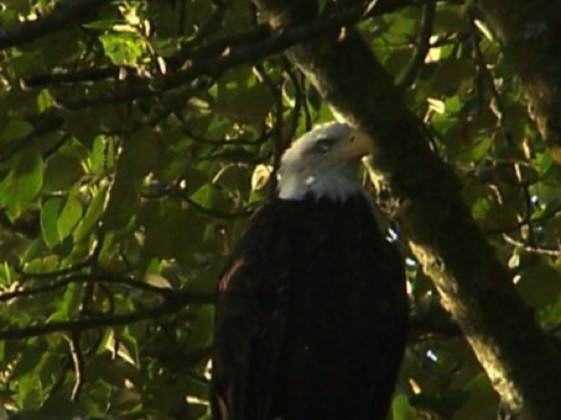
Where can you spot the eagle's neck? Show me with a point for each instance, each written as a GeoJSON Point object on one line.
{"type": "Point", "coordinates": [336, 186]}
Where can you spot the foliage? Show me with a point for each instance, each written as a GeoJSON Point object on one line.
{"type": "Point", "coordinates": [135, 143]}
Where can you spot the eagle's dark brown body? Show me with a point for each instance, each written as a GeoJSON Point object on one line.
{"type": "Point", "coordinates": [311, 320]}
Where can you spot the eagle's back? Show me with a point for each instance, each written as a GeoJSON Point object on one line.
{"type": "Point", "coordinates": [312, 316]}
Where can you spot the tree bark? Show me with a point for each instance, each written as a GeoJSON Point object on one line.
{"type": "Point", "coordinates": [474, 286]}
{"type": "Point", "coordinates": [531, 34]}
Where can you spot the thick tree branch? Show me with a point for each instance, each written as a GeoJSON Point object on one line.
{"type": "Point", "coordinates": [475, 287]}
{"type": "Point", "coordinates": [69, 11]}
{"type": "Point", "coordinates": [531, 33]}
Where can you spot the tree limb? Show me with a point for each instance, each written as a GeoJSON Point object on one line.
{"type": "Point", "coordinates": [475, 287]}
{"type": "Point", "coordinates": [209, 60]}
{"type": "Point", "coordinates": [172, 304]}
{"type": "Point", "coordinates": [83, 278]}
{"type": "Point", "coordinates": [69, 11]}
{"type": "Point", "coordinates": [88, 323]}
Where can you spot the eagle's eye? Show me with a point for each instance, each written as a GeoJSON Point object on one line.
{"type": "Point", "coordinates": [323, 145]}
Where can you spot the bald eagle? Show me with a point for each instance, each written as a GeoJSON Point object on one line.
{"type": "Point", "coordinates": [311, 318]}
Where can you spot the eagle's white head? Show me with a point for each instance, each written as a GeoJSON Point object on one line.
{"type": "Point", "coordinates": [323, 163]}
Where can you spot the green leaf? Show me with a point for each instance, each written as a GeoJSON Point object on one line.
{"type": "Point", "coordinates": [202, 319]}
{"type": "Point", "coordinates": [15, 129]}
{"type": "Point", "coordinates": [24, 181]}
{"type": "Point", "coordinates": [70, 303]}
{"type": "Point", "coordinates": [70, 216]}
{"type": "Point", "coordinates": [206, 195]}
{"type": "Point", "coordinates": [44, 100]}
{"type": "Point", "coordinates": [481, 402]}
{"type": "Point", "coordinates": [123, 48]}
{"type": "Point", "coordinates": [240, 100]}
{"type": "Point", "coordinates": [49, 221]}
{"type": "Point", "coordinates": [539, 285]}
{"type": "Point", "coordinates": [103, 155]}
{"type": "Point", "coordinates": [401, 409]}
{"type": "Point", "coordinates": [140, 155]}
{"type": "Point", "coordinates": [92, 216]}
{"type": "Point", "coordinates": [478, 151]}
{"type": "Point", "coordinates": [172, 232]}
{"type": "Point", "coordinates": [102, 24]}
{"type": "Point", "coordinates": [62, 171]}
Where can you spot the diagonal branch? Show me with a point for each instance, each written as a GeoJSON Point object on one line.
{"type": "Point", "coordinates": [70, 11]}
{"type": "Point", "coordinates": [474, 286]}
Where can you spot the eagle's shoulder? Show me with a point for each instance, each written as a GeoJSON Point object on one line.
{"type": "Point", "coordinates": [260, 243]}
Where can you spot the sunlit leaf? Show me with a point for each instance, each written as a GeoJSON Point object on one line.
{"type": "Point", "coordinates": [123, 48]}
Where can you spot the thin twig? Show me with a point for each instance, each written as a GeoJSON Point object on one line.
{"type": "Point", "coordinates": [78, 363]}
{"type": "Point", "coordinates": [554, 252]}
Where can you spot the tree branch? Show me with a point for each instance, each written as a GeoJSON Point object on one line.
{"type": "Point", "coordinates": [475, 287]}
{"type": "Point", "coordinates": [69, 11]}
{"type": "Point", "coordinates": [108, 279]}
{"type": "Point", "coordinates": [211, 60]}
{"type": "Point", "coordinates": [89, 323]}
{"type": "Point", "coordinates": [170, 305]}
{"type": "Point", "coordinates": [176, 190]}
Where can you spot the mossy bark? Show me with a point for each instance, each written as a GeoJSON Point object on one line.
{"type": "Point", "coordinates": [474, 286]}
